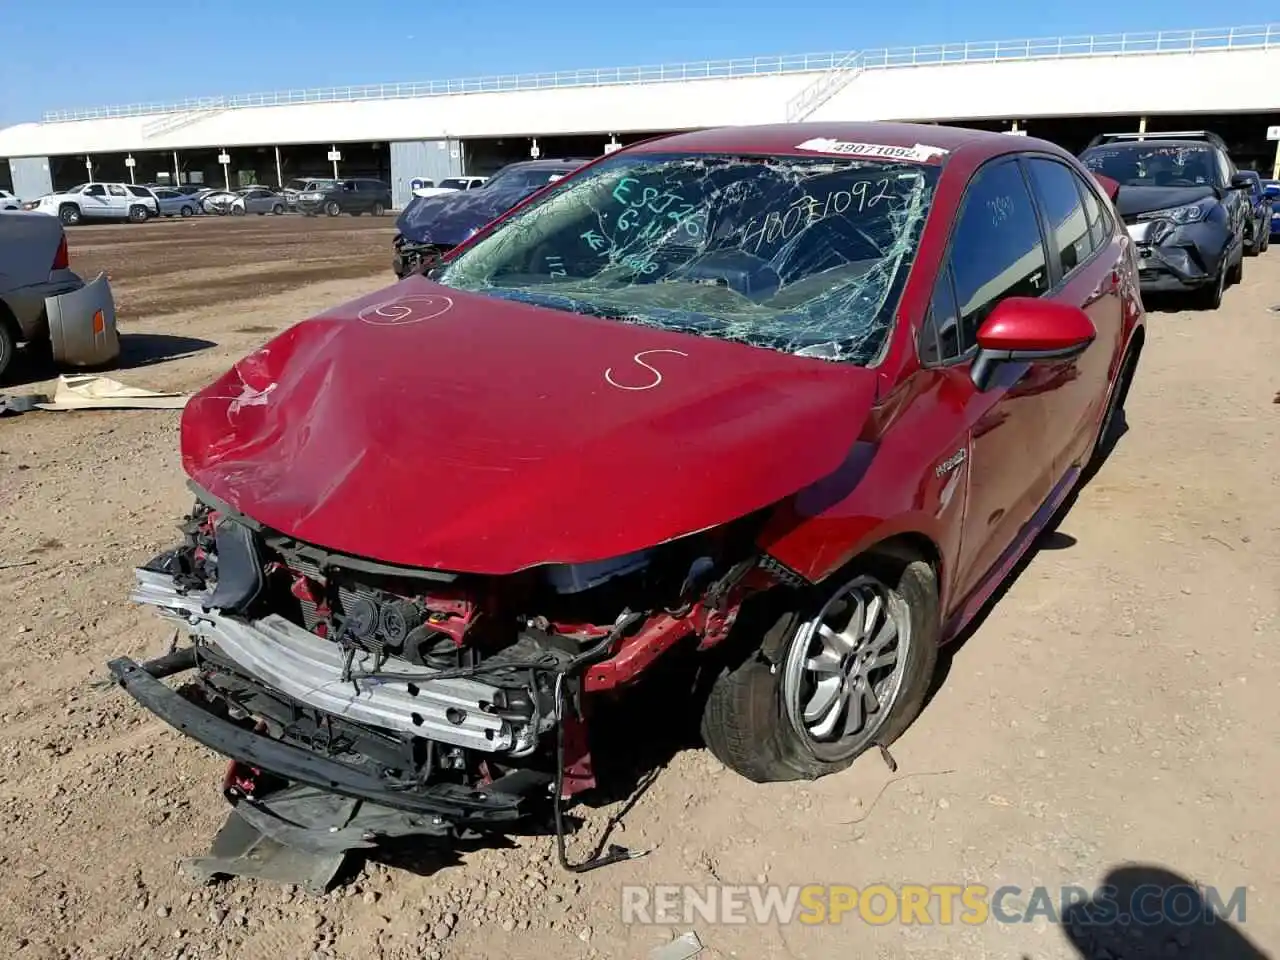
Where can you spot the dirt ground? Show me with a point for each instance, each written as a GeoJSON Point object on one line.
{"type": "Point", "coordinates": [1117, 706]}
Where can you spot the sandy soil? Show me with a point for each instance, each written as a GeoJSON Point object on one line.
{"type": "Point", "coordinates": [1116, 706]}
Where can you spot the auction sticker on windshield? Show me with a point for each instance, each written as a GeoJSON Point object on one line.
{"type": "Point", "coordinates": [920, 153]}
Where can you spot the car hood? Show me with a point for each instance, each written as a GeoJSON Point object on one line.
{"type": "Point", "coordinates": [449, 218]}
{"type": "Point", "coordinates": [432, 428]}
{"type": "Point", "coordinates": [1131, 201]}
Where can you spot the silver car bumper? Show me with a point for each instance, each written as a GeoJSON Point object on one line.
{"type": "Point", "coordinates": [308, 668]}
{"type": "Point", "coordinates": [82, 325]}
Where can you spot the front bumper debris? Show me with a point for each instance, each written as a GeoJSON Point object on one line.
{"type": "Point", "coordinates": [1175, 258]}
{"type": "Point", "coordinates": [487, 806]}
{"type": "Point", "coordinates": [309, 669]}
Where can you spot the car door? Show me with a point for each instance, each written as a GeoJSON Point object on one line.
{"type": "Point", "coordinates": [1235, 200]}
{"type": "Point", "coordinates": [996, 251]}
{"type": "Point", "coordinates": [1086, 262]}
{"type": "Point", "coordinates": [117, 200]}
{"type": "Point", "coordinates": [94, 202]}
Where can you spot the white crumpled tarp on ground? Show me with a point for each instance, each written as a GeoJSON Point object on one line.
{"type": "Point", "coordinates": [86, 392]}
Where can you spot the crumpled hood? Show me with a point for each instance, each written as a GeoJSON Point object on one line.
{"type": "Point", "coordinates": [449, 218]}
{"type": "Point", "coordinates": [1131, 201]}
{"type": "Point", "coordinates": [428, 427]}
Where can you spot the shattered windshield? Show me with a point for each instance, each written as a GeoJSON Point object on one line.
{"type": "Point", "coordinates": [804, 255]}
{"type": "Point", "coordinates": [1154, 165]}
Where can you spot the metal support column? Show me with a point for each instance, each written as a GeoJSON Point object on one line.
{"type": "Point", "coordinates": [132, 165]}
{"type": "Point", "coordinates": [1142, 126]}
{"type": "Point", "coordinates": [177, 171]}
{"type": "Point", "coordinates": [279, 171]}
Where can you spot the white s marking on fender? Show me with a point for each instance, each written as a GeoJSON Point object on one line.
{"type": "Point", "coordinates": [657, 374]}
{"type": "Point", "coordinates": [404, 310]}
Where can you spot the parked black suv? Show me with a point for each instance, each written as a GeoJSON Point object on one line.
{"type": "Point", "coordinates": [354, 196]}
{"type": "Point", "coordinates": [1184, 204]}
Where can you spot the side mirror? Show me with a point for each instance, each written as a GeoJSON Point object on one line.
{"type": "Point", "coordinates": [1110, 187]}
{"type": "Point", "coordinates": [1029, 330]}
{"type": "Point", "coordinates": [1239, 181]}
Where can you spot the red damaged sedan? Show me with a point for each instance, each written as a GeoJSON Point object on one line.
{"type": "Point", "coordinates": [789, 399]}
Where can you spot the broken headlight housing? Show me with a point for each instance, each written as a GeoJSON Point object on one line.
{"type": "Point", "coordinates": [1188, 213]}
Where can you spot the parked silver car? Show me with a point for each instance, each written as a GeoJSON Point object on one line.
{"type": "Point", "coordinates": [42, 302]}
{"type": "Point", "coordinates": [174, 203]}
{"type": "Point", "coordinates": [257, 200]}
{"type": "Point", "coordinates": [305, 185]}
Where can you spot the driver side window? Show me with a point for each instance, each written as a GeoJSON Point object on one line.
{"type": "Point", "coordinates": [95, 190]}
{"type": "Point", "coordinates": [996, 251]}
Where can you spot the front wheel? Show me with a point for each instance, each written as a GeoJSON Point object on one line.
{"type": "Point", "coordinates": [1237, 272]}
{"type": "Point", "coordinates": [379, 209]}
{"type": "Point", "coordinates": [8, 346]}
{"type": "Point", "coordinates": [1210, 297]}
{"type": "Point", "coordinates": [186, 212]}
{"type": "Point", "coordinates": [278, 209]}
{"type": "Point", "coordinates": [332, 208]}
{"type": "Point", "coordinates": [237, 211]}
{"type": "Point", "coordinates": [851, 671]}
{"type": "Point", "coordinates": [69, 214]}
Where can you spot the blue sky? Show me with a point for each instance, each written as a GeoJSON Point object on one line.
{"type": "Point", "coordinates": [82, 53]}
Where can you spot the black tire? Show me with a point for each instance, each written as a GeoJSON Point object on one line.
{"type": "Point", "coordinates": [69, 214]}
{"type": "Point", "coordinates": [745, 722]}
{"type": "Point", "coordinates": [1210, 297]}
{"type": "Point", "coordinates": [8, 342]}
{"type": "Point", "coordinates": [379, 209]}
{"type": "Point", "coordinates": [332, 209]}
{"type": "Point", "coordinates": [1236, 274]}
{"type": "Point", "coordinates": [138, 214]}
{"type": "Point", "coordinates": [237, 211]}
{"type": "Point", "coordinates": [1114, 411]}
{"type": "Point", "coordinates": [186, 211]}
{"type": "Point", "coordinates": [278, 210]}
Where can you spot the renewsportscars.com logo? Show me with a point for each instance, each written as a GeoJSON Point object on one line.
{"type": "Point", "coordinates": [928, 904]}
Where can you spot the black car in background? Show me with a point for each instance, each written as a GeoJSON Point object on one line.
{"type": "Point", "coordinates": [355, 196]}
{"type": "Point", "coordinates": [1185, 206]}
{"type": "Point", "coordinates": [1257, 226]}
{"type": "Point", "coordinates": [430, 227]}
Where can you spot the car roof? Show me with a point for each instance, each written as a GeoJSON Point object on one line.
{"type": "Point", "coordinates": [1155, 140]}
{"type": "Point", "coordinates": [545, 164]}
{"type": "Point", "coordinates": [784, 138]}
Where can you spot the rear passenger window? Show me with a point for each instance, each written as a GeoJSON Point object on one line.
{"type": "Point", "coordinates": [1099, 222]}
{"type": "Point", "coordinates": [940, 339]}
{"type": "Point", "coordinates": [116, 190]}
{"type": "Point", "coordinates": [996, 249]}
{"type": "Point", "coordinates": [1055, 185]}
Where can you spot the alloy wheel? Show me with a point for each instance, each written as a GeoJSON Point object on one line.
{"type": "Point", "coordinates": [843, 671]}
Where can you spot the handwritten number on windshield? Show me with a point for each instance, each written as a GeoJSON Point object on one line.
{"type": "Point", "coordinates": [809, 210]}
{"type": "Point", "coordinates": [654, 201]}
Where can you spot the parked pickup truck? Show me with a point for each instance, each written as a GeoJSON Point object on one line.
{"type": "Point", "coordinates": [43, 304]}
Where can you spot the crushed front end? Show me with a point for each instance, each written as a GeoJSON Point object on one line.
{"type": "Point", "coordinates": [1181, 248]}
{"type": "Point", "coordinates": [450, 704]}
{"type": "Point", "coordinates": [410, 257]}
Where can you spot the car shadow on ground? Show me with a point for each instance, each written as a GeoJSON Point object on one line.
{"type": "Point", "coordinates": [1147, 910]}
{"type": "Point", "coordinates": [136, 350]}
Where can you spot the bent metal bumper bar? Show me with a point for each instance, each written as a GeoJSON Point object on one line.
{"type": "Point", "coordinates": [453, 803]}
{"type": "Point", "coordinates": [309, 669]}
